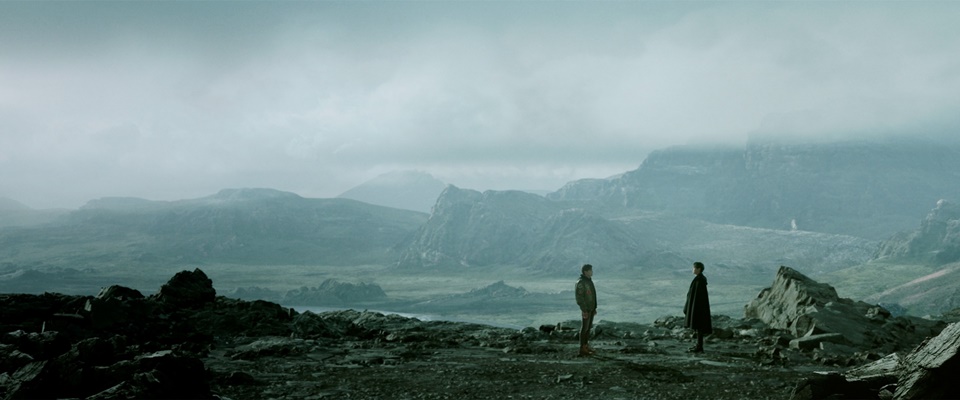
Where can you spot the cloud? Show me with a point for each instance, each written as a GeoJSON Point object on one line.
{"type": "Point", "coordinates": [167, 100]}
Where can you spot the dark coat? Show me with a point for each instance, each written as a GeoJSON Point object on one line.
{"type": "Point", "coordinates": [697, 308]}
{"type": "Point", "coordinates": [586, 294]}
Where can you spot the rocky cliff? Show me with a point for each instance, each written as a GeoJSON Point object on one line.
{"type": "Point", "coordinates": [867, 189]}
{"type": "Point", "coordinates": [469, 229]}
{"type": "Point", "coordinates": [937, 240]}
{"type": "Point", "coordinates": [473, 229]}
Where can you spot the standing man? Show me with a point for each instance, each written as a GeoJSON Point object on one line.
{"type": "Point", "coordinates": [697, 309]}
{"type": "Point", "coordinates": [587, 300]}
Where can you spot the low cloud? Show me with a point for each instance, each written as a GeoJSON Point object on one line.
{"type": "Point", "coordinates": [177, 99]}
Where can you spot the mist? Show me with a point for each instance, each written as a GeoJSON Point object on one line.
{"type": "Point", "coordinates": [172, 100]}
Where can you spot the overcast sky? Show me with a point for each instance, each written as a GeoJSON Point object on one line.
{"type": "Point", "coordinates": [179, 99]}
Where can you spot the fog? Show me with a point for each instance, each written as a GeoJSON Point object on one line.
{"type": "Point", "coordinates": [171, 100]}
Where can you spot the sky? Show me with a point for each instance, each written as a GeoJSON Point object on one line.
{"type": "Point", "coordinates": [170, 100]}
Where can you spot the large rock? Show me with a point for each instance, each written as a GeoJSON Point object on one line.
{"type": "Point", "coordinates": [120, 344]}
{"type": "Point", "coordinates": [115, 307]}
{"type": "Point", "coordinates": [187, 289]}
{"type": "Point", "coordinates": [805, 307]}
{"type": "Point", "coordinates": [928, 372]}
{"type": "Point", "coordinates": [925, 373]}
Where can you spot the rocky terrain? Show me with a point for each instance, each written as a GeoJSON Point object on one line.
{"type": "Point", "coordinates": [799, 341]}
{"type": "Point", "coordinates": [937, 239]}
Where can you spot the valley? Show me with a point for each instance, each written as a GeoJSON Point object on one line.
{"type": "Point", "coordinates": [638, 295]}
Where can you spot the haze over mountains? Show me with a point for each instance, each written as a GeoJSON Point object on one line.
{"type": "Point", "coordinates": [408, 190]}
{"type": "Point", "coordinates": [818, 207]}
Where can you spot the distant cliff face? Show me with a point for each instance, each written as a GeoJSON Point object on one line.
{"type": "Point", "coordinates": [866, 189]}
{"type": "Point", "coordinates": [937, 239]}
{"type": "Point", "coordinates": [470, 229]}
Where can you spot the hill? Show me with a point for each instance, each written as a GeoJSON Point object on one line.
{"type": "Point", "coordinates": [241, 226]}
{"type": "Point", "coordinates": [916, 271]}
{"type": "Point", "coordinates": [469, 229]}
{"type": "Point", "coordinates": [15, 213]}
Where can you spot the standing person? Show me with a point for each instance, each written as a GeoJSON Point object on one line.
{"type": "Point", "coordinates": [587, 300]}
{"type": "Point", "coordinates": [697, 309]}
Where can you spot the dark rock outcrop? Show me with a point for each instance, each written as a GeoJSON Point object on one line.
{"type": "Point", "coordinates": [927, 372]}
{"type": "Point", "coordinates": [814, 313]}
{"type": "Point", "coordinates": [187, 289]}
{"type": "Point", "coordinates": [121, 344]}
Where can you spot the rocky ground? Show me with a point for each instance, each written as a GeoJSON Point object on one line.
{"type": "Point", "coordinates": [185, 342]}
{"type": "Point", "coordinates": [439, 360]}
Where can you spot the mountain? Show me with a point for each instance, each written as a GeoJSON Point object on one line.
{"type": "Point", "coordinates": [937, 240]}
{"type": "Point", "coordinates": [929, 281]}
{"type": "Point", "coordinates": [469, 229]}
{"type": "Point", "coordinates": [473, 229]}
{"type": "Point", "coordinates": [15, 213]}
{"type": "Point", "coordinates": [407, 190]}
{"type": "Point", "coordinates": [870, 189]}
{"type": "Point", "coordinates": [8, 204]}
{"type": "Point", "coordinates": [932, 294]}
{"type": "Point", "coordinates": [244, 226]}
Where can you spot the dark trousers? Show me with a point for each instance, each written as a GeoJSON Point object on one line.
{"type": "Point", "coordinates": [699, 339]}
{"type": "Point", "coordinates": [585, 328]}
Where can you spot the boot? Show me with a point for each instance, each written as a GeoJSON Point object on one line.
{"type": "Point", "coordinates": [585, 351]}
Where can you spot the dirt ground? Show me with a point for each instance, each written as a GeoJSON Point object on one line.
{"type": "Point", "coordinates": [544, 369]}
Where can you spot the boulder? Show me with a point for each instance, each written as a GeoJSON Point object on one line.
{"type": "Point", "coordinates": [807, 308]}
{"type": "Point", "coordinates": [117, 307]}
{"type": "Point", "coordinates": [928, 372]}
{"type": "Point", "coordinates": [119, 293]}
{"type": "Point", "coordinates": [187, 290]}
{"type": "Point", "coordinates": [925, 373]}
{"type": "Point", "coordinates": [811, 342]}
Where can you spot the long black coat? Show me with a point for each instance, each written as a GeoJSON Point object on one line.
{"type": "Point", "coordinates": [697, 308]}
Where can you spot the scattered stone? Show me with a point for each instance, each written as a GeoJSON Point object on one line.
{"type": "Point", "coordinates": [813, 341]}
{"type": "Point", "coordinates": [120, 344]}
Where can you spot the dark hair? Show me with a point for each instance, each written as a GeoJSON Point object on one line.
{"type": "Point", "coordinates": [586, 267]}
{"type": "Point", "coordinates": [699, 265]}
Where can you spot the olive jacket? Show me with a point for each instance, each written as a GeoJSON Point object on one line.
{"type": "Point", "coordinates": [586, 294]}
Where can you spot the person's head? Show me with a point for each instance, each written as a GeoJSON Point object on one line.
{"type": "Point", "coordinates": [587, 270]}
{"type": "Point", "coordinates": [697, 268]}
